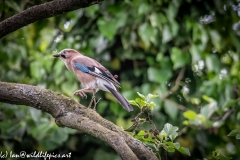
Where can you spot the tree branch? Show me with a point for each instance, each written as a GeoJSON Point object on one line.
{"type": "Point", "coordinates": [37, 12]}
{"type": "Point", "coordinates": [68, 113]}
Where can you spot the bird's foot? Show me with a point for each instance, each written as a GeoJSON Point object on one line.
{"type": "Point", "coordinates": [81, 93]}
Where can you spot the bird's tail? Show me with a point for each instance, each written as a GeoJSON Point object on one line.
{"type": "Point", "coordinates": [120, 99]}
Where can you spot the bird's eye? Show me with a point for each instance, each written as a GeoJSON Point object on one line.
{"type": "Point", "coordinates": [63, 56]}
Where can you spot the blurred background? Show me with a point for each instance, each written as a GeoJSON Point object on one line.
{"type": "Point", "coordinates": [187, 52]}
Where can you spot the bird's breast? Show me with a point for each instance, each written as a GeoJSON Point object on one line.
{"type": "Point", "coordinates": [85, 79]}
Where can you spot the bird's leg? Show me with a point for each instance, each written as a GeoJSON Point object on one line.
{"type": "Point", "coordinates": [95, 103]}
{"type": "Point", "coordinates": [92, 100]}
{"type": "Point", "coordinates": [82, 92]}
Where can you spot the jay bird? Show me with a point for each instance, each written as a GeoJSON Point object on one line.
{"type": "Point", "coordinates": [92, 75]}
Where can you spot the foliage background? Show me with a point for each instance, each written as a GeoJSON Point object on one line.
{"type": "Point", "coordinates": [147, 44]}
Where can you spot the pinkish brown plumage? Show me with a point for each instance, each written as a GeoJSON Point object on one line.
{"type": "Point", "coordinates": [92, 75]}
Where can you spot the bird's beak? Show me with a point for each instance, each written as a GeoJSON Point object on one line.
{"type": "Point", "coordinates": [56, 55]}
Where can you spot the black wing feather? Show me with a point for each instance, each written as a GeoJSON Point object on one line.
{"type": "Point", "coordinates": [104, 74]}
{"type": "Point", "coordinates": [120, 99]}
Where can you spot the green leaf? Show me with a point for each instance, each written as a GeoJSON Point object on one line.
{"type": "Point", "coordinates": [229, 103]}
{"type": "Point", "coordinates": [68, 87]}
{"type": "Point", "coordinates": [173, 135]}
{"type": "Point", "coordinates": [170, 131]}
{"type": "Point", "coordinates": [155, 19]}
{"type": "Point", "coordinates": [170, 144]}
{"type": "Point", "coordinates": [143, 8]}
{"type": "Point", "coordinates": [238, 136]}
{"type": "Point", "coordinates": [175, 145]}
{"type": "Point", "coordinates": [216, 39]}
{"type": "Point", "coordinates": [69, 130]}
{"type": "Point", "coordinates": [92, 9]}
{"type": "Point", "coordinates": [15, 131]}
{"type": "Point", "coordinates": [36, 70]}
{"type": "Point", "coordinates": [141, 95]}
{"type": "Point", "coordinates": [160, 136]}
{"type": "Point", "coordinates": [171, 109]}
{"type": "Point", "coordinates": [40, 132]}
{"type": "Point", "coordinates": [213, 63]}
{"type": "Point", "coordinates": [218, 124]}
{"type": "Point", "coordinates": [152, 105]}
{"type": "Point", "coordinates": [195, 53]}
{"type": "Point", "coordinates": [13, 5]}
{"type": "Point", "coordinates": [167, 34]}
{"type": "Point", "coordinates": [104, 154]}
{"type": "Point", "coordinates": [179, 58]}
{"type": "Point", "coordinates": [147, 140]}
{"type": "Point", "coordinates": [238, 116]}
{"type": "Point", "coordinates": [208, 110]}
{"type": "Point", "coordinates": [107, 27]}
{"type": "Point", "coordinates": [186, 122]}
{"type": "Point", "coordinates": [132, 102]}
{"type": "Point", "coordinates": [147, 34]}
{"type": "Point", "coordinates": [141, 102]}
{"type": "Point", "coordinates": [58, 71]}
{"type": "Point", "coordinates": [59, 136]}
{"type": "Point", "coordinates": [35, 114]}
{"type": "Point", "coordinates": [221, 157]}
{"type": "Point", "coordinates": [159, 75]}
{"type": "Point", "coordinates": [174, 27]}
{"type": "Point", "coordinates": [191, 115]}
{"type": "Point", "coordinates": [218, 155]}
{"type": "Point", "coordinates": [141, 133]}
{"type": "Point", "coordinates": [150, 139]}
{"type": "Point", "coordinates": [169, 149]}
{"type": "Point", "coordinates": [234, 132]}
{"type": "Point", "coordinates": [184, 151]}
{"type": "Point", "coordinates": [48, 144]}
{"type": "Point", "coordinates": [171, 11]}
{"type": "Point", "coordinates": [208, 99]}
{"type": "Point", "coordinates": [150, 96]}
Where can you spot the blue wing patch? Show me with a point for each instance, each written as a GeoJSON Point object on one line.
{"type": "Point", "coordinates": [81, 67]}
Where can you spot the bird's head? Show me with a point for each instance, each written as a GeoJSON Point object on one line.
{"type": "Point", "coordinates": [66, 54]}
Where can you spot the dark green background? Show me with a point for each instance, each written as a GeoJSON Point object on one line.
{"type": "Point", "coordinates": [146, 43]}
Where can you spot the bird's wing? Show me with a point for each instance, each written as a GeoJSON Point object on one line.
{"type": "Point", "coordinates": [94, 68]}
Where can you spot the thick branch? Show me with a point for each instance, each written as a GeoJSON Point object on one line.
{"type": "Point", "coordinates": [42, 11]}
{"type": "Point", "coordinates": [69, 113]}
{"type": "Point", "coordinates": [112, 138]}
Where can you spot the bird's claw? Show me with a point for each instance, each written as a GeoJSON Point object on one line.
{"type": "Point", "coordinates": [81, 93]}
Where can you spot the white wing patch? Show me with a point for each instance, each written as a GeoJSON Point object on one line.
{"type": "Point", "coordinates": [97, 70]}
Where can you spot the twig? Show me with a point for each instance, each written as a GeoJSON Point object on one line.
{"type": "Point", "coordinates": [177, 84]}
{"type": "Point", "coordinates": [179, 106]}
{"type": "Point", "coordinates": [227, 114]}
{"type": "Point", "coordinates": [183, 130]}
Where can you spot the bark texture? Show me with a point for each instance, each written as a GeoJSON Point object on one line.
{"type": "Point", "coordinates": [37, 12]}
{"type": "Point", "coordinates": [69, 113]}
